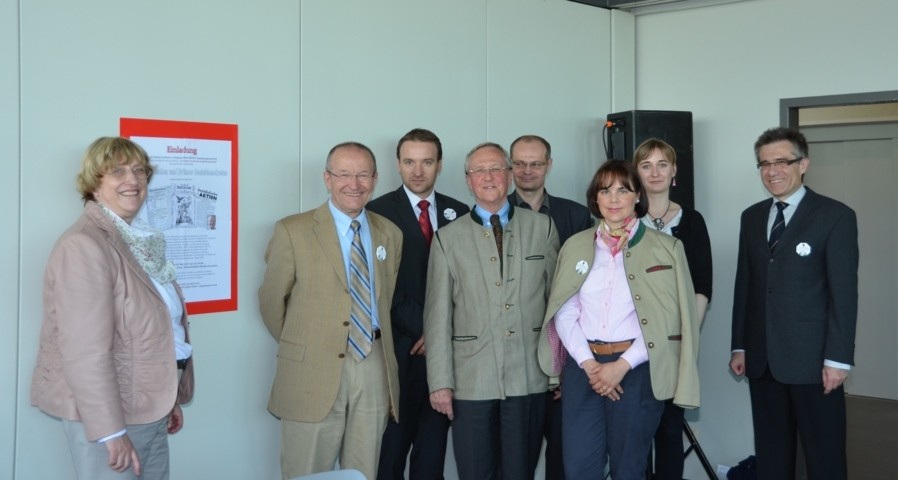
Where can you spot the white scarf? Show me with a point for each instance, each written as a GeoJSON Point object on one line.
{"type": "Point", "coordinates": [147, 245]}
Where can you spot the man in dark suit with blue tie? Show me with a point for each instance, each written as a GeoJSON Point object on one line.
{"type": "Point", "coordinates": [418, 211]}
{"type": "Point", "coordinates": [794, 314]}
{"type": "Point", "coordinates": [531, 160]}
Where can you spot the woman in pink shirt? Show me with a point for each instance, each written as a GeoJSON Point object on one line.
{"type": "Point", "coordinates": [623, 307]}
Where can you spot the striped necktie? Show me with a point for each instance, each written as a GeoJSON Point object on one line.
{"type": "Point", "coordinates": [779, 225]}
{"type": "Point", "coordinates": [360, 330]}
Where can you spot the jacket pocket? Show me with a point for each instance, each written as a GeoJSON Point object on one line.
{"type": "Point", "coordinates": [658, 268]}
{"type": "Point", "coordinates": [463, 338]}
{"type": "Point", "coordinates": [291, 351]}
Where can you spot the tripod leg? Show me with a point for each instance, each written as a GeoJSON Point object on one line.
{"type": "Point", "coordinates": [693, 442]}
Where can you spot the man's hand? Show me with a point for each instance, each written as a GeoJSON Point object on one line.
{"type": "Point", "coordinates": [418, 347]}
{"type": "Point", "coordinates": [556, 394]}
{"type": "Point", "coordinates": [832, 378]}
{"type": "Point", "coordinates": [122, 454]}
{"type": "Point", "coordinates": [175, 420]}
{"type": "Point", "coordinates": [441, 401]}
{"type": "Point", "coordinates": [737, 363]}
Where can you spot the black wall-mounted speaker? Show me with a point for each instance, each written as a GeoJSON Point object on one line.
{"type": "Point", "coordinates": [628, 129]}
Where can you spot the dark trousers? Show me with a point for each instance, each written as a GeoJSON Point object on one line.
{"type": "Point", "coordinates": [422, 429]}
{"type": "Point", "coordinates": [781, 412]}
{"type": "Point", "coordinates": [496, 439]}
{"type": "Point", "coordinates": [669, 443]}
{"type": "Point", "coordinates": [552, 433]}
{"type": "Point", "coordinates": [596, 429]}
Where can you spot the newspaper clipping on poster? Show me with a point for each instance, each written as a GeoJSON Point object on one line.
{"type": "Point", "coordinates": [189, 200]}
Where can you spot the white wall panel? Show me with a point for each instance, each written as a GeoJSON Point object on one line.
{"type": "Point", "coordinates": [730, 65]}
{"type": "Point", "coordinates": [297, 77]}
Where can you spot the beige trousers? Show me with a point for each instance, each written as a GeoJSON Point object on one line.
{"type": "Point", "coordinates": [352, 430]}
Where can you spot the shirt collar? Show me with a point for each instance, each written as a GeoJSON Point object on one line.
{"type": "Point", "coordinates": [504, 214]}
{"type": "Point", "coordinates": [343, 221]}
{"type": "Point", "coordinates": [794, 199]}
{"type": "Point", "coordinates": [520, 202]}
{"type": "Point", "coordinates": [414, 199]}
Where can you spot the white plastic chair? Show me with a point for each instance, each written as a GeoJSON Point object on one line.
{"type": "Point", "coordinates": [348, 474]}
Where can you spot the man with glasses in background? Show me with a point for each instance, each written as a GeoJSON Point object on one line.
{"type": "Point", "coordinates": [326, 300]}
{"type": "Point", "coordinates": [531, 160]}
{"type": "Point", "coordinates": [487, 283]}
{"type": "Point", "coordinates": [794, 314]}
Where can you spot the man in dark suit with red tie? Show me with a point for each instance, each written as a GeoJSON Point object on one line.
{"type": "Point", "coordinates": [418, 211]}
{"type": "Point", "coordinates": [794, 314]}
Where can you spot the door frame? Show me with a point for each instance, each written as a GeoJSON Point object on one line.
{"type": "Point", "coordinates": [863, 449]}
{"type": "Point", "coordinates": [789, 107]}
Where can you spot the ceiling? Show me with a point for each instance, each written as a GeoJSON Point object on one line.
{"type": "Point", "coordinates": [637, 7]}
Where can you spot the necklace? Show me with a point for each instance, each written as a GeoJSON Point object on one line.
{"type": "Point", "coordinates": [659, 222]}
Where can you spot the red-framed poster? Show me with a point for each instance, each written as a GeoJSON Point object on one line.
{"type": "Point", "coordinates": [192, 199]}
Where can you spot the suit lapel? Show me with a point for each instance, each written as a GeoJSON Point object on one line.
{"type": "Point", "coordinates": [326, 233]}
{"type": "Point", "coordinates": [758, 225]}
{"type": "Point", "coordinates": [440, 206]}
{"type": "Point", "coordinates": [379, 241]}
{"type": "Point", "coordinates": [118, 243]}
{"type": "Point", "coordinates": [410, 228]}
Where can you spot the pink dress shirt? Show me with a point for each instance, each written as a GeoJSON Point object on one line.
{"type": "Point", "coordinates": [602, 310]}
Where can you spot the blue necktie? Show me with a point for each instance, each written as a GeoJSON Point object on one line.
{"type": "Point", "coordinates": [360, 330]}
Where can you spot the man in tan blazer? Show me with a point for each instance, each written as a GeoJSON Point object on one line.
{"type": "Point", "coordinates": [336, 382]}
{"type": "Point", "coordinates": [483, 312]}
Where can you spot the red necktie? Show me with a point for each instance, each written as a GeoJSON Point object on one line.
{"type": "Point", "coordinates": [424, 221]}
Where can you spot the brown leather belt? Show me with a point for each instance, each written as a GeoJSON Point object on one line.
{"type": "Point", "coordinates": [609, 348]}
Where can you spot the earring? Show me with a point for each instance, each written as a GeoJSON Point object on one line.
{"type": "Point", "coordinates": [674, 184]}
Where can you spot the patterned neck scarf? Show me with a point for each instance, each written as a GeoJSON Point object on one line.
{"type": "Point", "coordinates": [147, 246]}
{"type": "Point", "coordinates": [617, 238]}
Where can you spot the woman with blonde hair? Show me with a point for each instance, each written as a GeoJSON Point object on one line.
{"type": "Point", "coordinates": [656, 162]}
{"type": "Point", "coordinates": [115, 361]}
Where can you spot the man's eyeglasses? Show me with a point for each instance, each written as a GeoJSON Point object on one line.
{"type": "Point", "coordinates": [121, 172]}
{"type": "Point", "coordinates": [481, 172]}
{"type": "Point", "coordinates": [346, 177]}
{"type": "Point", "coordinates": [779, 164]}
{"type": "Point", "coordinates": [532, 165]}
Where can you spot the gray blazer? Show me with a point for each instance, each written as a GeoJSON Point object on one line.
{"type": "Point", "coordinates": [796, 306]}
{"type": "Point", "coordinates": [481, 328]}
